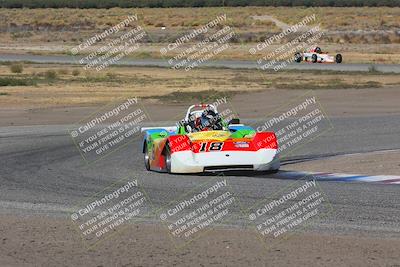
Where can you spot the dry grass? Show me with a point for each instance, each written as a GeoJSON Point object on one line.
{"type": "Point", "coordinates": [98, 88]}
{"type": "Point", "coordinates": [362, 35]}
{"type": "Point", "coordinates": [56, 31]}
{"type": "Point", "coordinates": [331, 18]}
{"type": "Point", "coordinates": [75, 25]}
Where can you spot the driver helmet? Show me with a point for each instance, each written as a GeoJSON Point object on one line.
{"type": "Point", "coordinates": [209, 120]}
{"type": "Point", "coordinates": [317, 50]}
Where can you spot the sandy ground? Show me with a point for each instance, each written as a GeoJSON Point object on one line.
{"type": "Point", "coordinates": [97, 88]}
{"type": "Point", "coordinates": [41, 241]}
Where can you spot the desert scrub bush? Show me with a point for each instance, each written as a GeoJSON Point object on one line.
{"type": "Point", "coordinates": [111, 76]}
{"type": "Point", "coordinates": [160, 24]}
{"type": "Point", "coordinates": [188, 3]}
{"type": "Point", "coordinates": [10, 81]}
{"type": "Point", "coordinates": [16, 68]}
{"type": "Point", "coordinates": [50, 75]}
{"type": "Point", "coordinates": [76, 72]}
{"type": "Point", "coordinates": [63, 71]}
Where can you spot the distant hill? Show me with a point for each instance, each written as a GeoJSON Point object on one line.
{"type": "Point", "coordinates": [190, 3]}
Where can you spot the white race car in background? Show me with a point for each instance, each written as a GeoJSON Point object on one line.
{"type": "Point", "coordinates": [317, 56]}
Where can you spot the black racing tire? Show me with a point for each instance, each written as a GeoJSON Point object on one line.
{"type": "Point", "coordinates": [167, 155]}
{"type": "Point", "coordinates": [275, 165]}
{"type": "Point", "coordinates": [297, 57]}
{"type": "Point", "coordinates": [338, 58]}
{"type": "Point", "coordinates": [314, 58]}
{"type": "Point", "coordinates": [146, 157]}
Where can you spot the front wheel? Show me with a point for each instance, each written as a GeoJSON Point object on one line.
{"type": "Point", "coordinates": [297, 57]}
{"type": "Point", "coordinates": [146, 158]}
{"type": "Point", "coordinates": [275, 165]}
{"type": "Point", "coordinates": [167, 158]}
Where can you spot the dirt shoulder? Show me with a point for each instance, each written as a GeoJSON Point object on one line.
{"type": "Point", "coordinates": [43, 85]}
{"type": "Point", "coordinates": [249, 105]}
{"type": "Point", "coordinates": [45, 241]}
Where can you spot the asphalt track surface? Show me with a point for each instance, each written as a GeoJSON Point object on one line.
{"type": "Point", "coordinates": [42, 172]}
{"type": "Point", "coordinates": [234, 64]}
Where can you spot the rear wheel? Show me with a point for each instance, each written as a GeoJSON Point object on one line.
{"type": "Point", "coordinates": [339, 58]}
{"type": "Point", "coordinates": [314, 58]}
{"type": "Point", "coordinates": [167, 155]}
{"type": "Point", "coordinates": [146, 158]}
{"type": "Point", "coordinates": [275, 165]}
{"type": "Point", "coordinates": [297, 57]}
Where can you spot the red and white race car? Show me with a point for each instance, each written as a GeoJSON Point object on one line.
{"type": "Point", "coordinates": [204, 142]}
{"type": "Point", "coordinates": [317, 56]}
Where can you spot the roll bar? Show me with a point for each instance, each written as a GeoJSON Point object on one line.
{"type": "Point", "coordinates": [203, 106]}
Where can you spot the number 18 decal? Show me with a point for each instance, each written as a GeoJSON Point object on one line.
{"type": "Point", "coordinates": [214, 146]}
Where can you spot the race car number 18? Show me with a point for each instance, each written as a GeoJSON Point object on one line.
{"type": "Point", "coordinates": [214, 146]}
